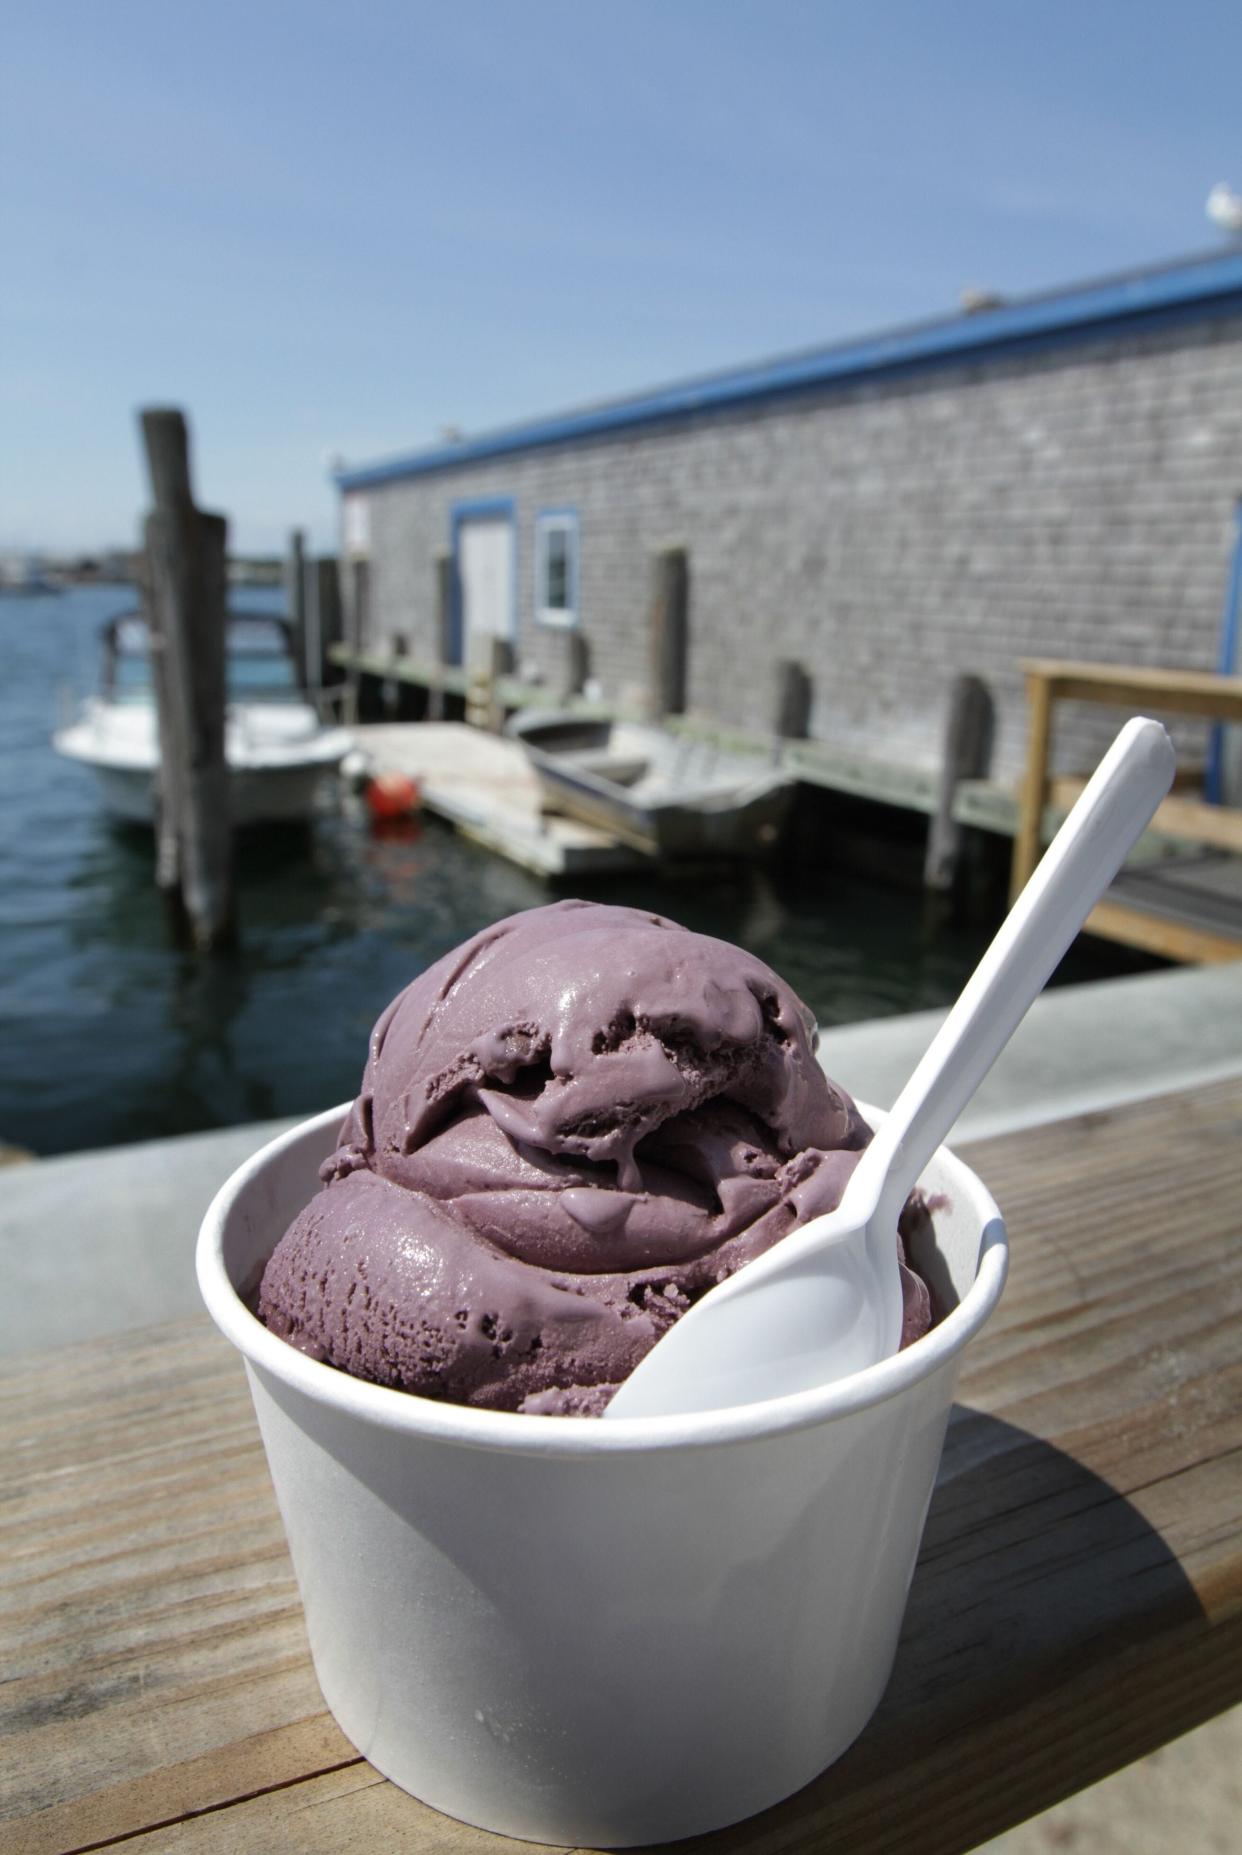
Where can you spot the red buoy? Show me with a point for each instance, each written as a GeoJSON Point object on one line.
{"type": "Point", "coordinates": [392, 795]}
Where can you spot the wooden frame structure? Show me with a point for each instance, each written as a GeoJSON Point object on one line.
{"type": "Point", "coordinates": [1140, 690]}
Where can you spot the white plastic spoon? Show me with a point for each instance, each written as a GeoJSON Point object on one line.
{"type": "Point", "coordinates": [825, 1302]}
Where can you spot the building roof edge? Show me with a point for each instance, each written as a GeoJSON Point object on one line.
{"type": "Point", "coordinates": [1185, 288]}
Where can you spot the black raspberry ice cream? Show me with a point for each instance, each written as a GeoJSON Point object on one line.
{"type": "Point", "coordinates": [568, 1129]}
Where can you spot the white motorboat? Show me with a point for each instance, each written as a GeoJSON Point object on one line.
{"type": "Point", "coordinates": [277, 749]}
{"type": "Point", "coordinates": [663, 793]}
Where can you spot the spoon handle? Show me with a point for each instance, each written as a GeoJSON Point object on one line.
{"type": "Point", "coordinates": [1074, 872]}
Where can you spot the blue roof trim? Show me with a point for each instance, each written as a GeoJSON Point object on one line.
{"type": "Point", "coordinates": [1179, 292]}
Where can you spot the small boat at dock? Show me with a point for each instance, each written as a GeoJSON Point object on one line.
{"type": "Point", "coordinates": [277, 748]}
{"type": "Point", "coordinates": [663, 793]}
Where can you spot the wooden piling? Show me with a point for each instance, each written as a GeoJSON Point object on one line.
{"type": "Point", "coordinates": [357, 591]}
{"type": "Point", "coordinates": [167, 794]}
{"type": "Point", "coordinates": [489, 660]}
{"type": "Point", "coordinates": [577, 662]}
{"type": "Point", "coordinates": [966, 754]}
{"type": "Point", "coordinates": [792, 705]}
{"type": "Point", "coordinates": [668, 632]}
{"type": "Point", "coordinates": [295, 600]}
{"type": "Point", "coordinates": [187, 567]}
{"type": "Point", "coordinates": [443, 569]}
{"type": "Point", "coordinates": [322, 621]}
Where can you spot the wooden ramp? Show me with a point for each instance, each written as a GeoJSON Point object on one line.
{"type": "Point", "coordinates": [1187, 906]}
{"type": "Point", "coordinates": [485, 786]}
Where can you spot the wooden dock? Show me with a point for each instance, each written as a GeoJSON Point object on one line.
{"type": "Point", "coordinates": [484, 785]}
{"type": "Point", "coordinates": [1180, 896]}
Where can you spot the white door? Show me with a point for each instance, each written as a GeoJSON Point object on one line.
{"type": "Point", "coordinates": [485, 570]}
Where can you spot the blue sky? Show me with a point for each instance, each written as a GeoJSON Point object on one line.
{"type": "Point", "coordinates": [332, 230]}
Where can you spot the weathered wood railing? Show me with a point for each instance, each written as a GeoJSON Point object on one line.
{"type": "Point", "coordinates": [1140, 690]}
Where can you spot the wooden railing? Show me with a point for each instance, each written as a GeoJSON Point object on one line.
{"type": "Point", "coordinates": [1144, 691]}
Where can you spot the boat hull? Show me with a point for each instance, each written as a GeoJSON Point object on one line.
{"type": "Point", "coordinates": [277, 750]}
{"type": "Point", "coordinates": [737, 812]}
{"type": "Point", "coordinates": [277, 760]}
{"type": "Point", "coordinates": [271, 795]}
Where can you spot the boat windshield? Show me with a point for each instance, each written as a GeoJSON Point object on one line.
{"type": "Point", "coordinates": [259, 661]}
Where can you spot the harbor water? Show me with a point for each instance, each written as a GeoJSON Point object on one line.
{"type": "Point", "coordinates": [109, 1033]}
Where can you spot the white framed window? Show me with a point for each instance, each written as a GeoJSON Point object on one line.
{"type": "Point", "coordinates": [556, 568]}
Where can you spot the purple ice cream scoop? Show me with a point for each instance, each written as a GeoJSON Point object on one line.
{"type": "Point", "coordinates": [569, 1128]}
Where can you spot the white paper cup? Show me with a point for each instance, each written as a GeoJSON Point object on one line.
{"type": "Point", "coordinates": [602, 1633]}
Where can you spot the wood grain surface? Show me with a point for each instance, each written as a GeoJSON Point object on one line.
{"type": "Point", "coordinates": [1078, 1599]}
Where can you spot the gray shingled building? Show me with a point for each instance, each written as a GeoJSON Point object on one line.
{"type": "Point", "coordinates": [1053, 477]}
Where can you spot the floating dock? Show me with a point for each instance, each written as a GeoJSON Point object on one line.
{"type": "Point", "coordinates": [1176, 898]}
{"type": "Point", "coordinates": [485, 786]}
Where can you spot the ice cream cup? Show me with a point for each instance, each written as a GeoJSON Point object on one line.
{"type": "Point", "coordinates": [604, 1633]}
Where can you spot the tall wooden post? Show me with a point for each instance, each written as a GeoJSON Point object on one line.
{"type": "Point", "coordinates": [167, 794]}
{"type": "Point", "coordinates": [1027, 845]}
{"type": "Point", "coordinates": [791, 718]}
{"type": "Point", "coordinates": [577, 662]}
{"type": "Point", "coordinates": [295, 602]}
{"type": "Point", "coordinates": [357, 595]}
{"type": "Point", "coordinates": [966, 753]}
{"type": "Point", "coordinates": [443, 629]}
{"type": "Point", "coordinates": [669, 633]}
{"type": "Point", "coordinates": [322, 620]}
{"type": "Point", "coordinates": [186, 554]}
{"type": "Point", "coordinates": [489, 660]}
